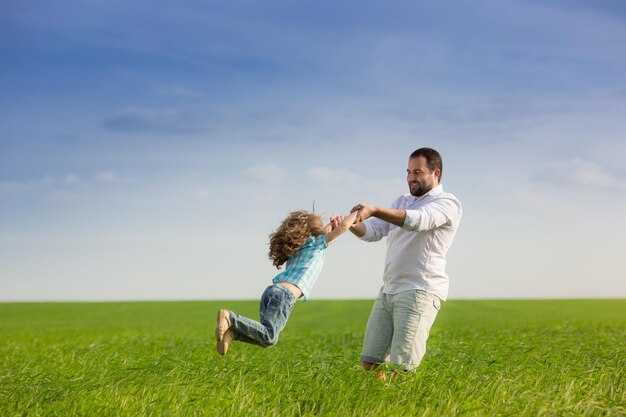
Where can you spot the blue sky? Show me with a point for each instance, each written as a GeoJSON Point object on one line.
{"type": "Point", "coordinates": [148, 149]}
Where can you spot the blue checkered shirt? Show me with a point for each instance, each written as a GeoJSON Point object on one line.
{"type": "Point", "coordinates": [304, 266]}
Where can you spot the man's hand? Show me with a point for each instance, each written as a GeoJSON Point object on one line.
{"type": "Point", "coordinates": [393, 216]}
{"type": "Point", "coordinates": [365, 211]}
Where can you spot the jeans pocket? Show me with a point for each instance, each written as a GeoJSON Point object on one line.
{"type": "Point", "coordinates": [436, 303]}
{"type": "Point", "coordinates": [422, 300]}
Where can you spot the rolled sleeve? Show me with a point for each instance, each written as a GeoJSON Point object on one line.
{"type": "Point", "coordinates": [375, 229]}
{"type": "Point", "coordinates": [431, 216]}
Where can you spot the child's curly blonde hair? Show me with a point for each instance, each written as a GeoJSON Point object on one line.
{"type": "Point", "coordinates": [291, 235]}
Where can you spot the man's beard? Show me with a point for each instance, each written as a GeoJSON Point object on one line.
{"type": "Point", "coordinates": [419, 192]}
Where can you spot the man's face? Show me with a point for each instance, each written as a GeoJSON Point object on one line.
{"type": "Point", "coordinates": [420, 179]}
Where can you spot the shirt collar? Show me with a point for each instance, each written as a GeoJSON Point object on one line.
{"type": "Point", "coordinates": [433, 192]}
{"type": "Point", "coordinates": [437, 190]}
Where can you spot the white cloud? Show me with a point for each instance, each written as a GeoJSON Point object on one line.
{"type": "Point", "coordinates": [330, 175]}
{"type": "Point", "coordinates": [266, 173]}
{"type": "Point", "coordinates": [577, 172]}
{"type": "Point", "coordinates": [72, 179]}
{"type": "Point", "coordinates": [202, 194]}
{"type": "Point", "coordinates": [15, 186]}
{"type": "Point", "coordinates": [143, 119]}
{"type": "Point", "coordinates": [57, 184]}
{"type": "Point", "coordinates": [107, 177]}
{"type": "Point", "coordinates": [20, 186]}
{"type": "Point", "coordinates": [178, 91]}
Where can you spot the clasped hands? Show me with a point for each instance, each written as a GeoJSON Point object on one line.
{"type": "Point", "coordinates": [364, 211]}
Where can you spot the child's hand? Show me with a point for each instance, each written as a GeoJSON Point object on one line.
{"type": "Point", "coordinates": [335, 220]}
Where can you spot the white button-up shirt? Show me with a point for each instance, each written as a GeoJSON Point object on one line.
{"type": "Point", "coordinates": [416, 252]}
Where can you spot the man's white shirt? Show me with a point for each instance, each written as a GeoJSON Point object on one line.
{"type": "Point", "coordinates": [416, 252]}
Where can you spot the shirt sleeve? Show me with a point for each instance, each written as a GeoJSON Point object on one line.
{"type": "Point", "coordinates": [432, 215]}
{"type": "Point", "coordinates": [375, 229]}
{"type": "Point", "coordinates": [321, 241]}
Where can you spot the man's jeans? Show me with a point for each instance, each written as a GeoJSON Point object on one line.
{"type": "Point", "coordinates": [398, 328]}
{"type": "Point", "coordinates": [276, 305]}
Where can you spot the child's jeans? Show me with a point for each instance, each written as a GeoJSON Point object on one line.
{"type": "Point", "coordinates": [276, 304]}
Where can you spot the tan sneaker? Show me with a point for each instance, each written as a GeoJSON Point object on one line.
{"type": "Point", "coordinates": [222, 345]}
{"type": "Point", "coordinates": [223, 323]}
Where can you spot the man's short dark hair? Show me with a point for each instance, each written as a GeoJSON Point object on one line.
{"type": "Point", "coordinates": [433, 159]}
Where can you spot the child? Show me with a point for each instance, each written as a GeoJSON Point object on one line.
{"type": "Point", "coordinates": [300, 241]}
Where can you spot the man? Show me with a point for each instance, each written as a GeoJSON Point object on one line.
{"type": "Point", "coordinates": [419, 227]}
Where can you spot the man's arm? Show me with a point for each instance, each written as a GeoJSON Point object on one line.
{"type": "Point", "coordinates": [389, 215]}
{"type": "Point", "coordinates": [358, 229]}
{"type": "Point", "coordinates": [433, 215]}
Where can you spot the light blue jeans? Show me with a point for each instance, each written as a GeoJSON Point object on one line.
{"type": "Point", "coordinates": [398, 328]}
{"type": "Point", "coordinates": [276, 305]}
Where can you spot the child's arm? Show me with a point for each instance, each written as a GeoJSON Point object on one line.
{"type": "Point", "coordinates": [334, 222]}
{"type": "Point", "coordinates": [341, 227]}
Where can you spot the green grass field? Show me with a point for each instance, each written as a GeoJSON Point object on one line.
{"type": "Point", "coordinates": [158, 358]}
